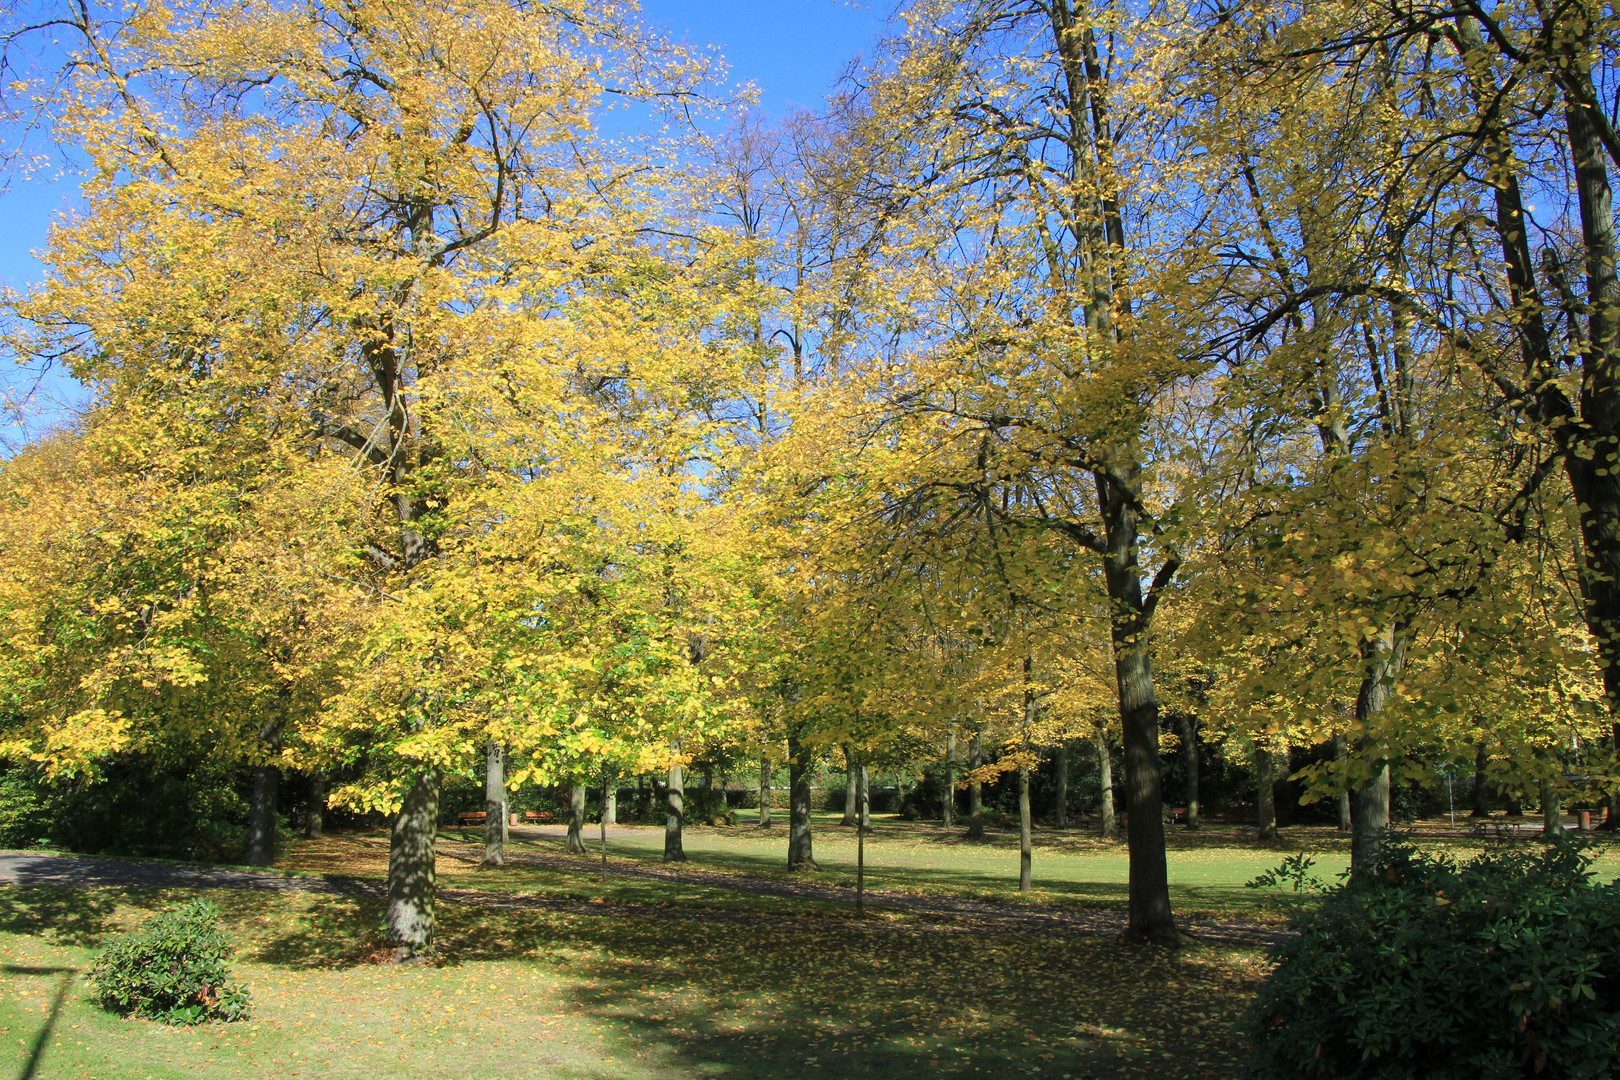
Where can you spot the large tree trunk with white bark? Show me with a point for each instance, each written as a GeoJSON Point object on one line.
{"type": "Point", "coordinates": [494, 804]}
{"type": "Point", "coordinates": [412, 866]}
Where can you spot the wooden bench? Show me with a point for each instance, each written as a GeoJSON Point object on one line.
{"type": "Point", "coordinates": [1178, 815]}
{"type": "Point", "coordinates": [472, 819]}
{"type": "Point", "coordinates": [538, 816]}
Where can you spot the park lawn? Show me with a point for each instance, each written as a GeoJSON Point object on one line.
{"type": "Point", "coordinates": [555, 994]}
{"type": "Point", "coordinates": [1208, 872]}
{"type": "Point", "coordinates": [1209, 869]}
{"type": "Point", "coordinates": [1207, 881]}
{"type": "Point", "coordinates": [365, 855]}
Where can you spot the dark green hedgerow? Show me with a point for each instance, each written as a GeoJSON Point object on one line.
{"type": "Point", "coordinates": [172, 969]}
{"type": "Point", "coordinates": [1505, 966]}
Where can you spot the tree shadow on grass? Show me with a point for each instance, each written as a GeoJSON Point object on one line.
{"type": "Point", "coordinates": [63, 985]}
{"type": "Point", "coordinates": [841, 998]}
{"type": "Point", "coordinates": [836, 882]}
{"type": "Point", "coordinates": [70, 915]}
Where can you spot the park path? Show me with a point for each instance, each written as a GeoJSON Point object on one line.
{"type": "Point", "coordinates": [966, 916]}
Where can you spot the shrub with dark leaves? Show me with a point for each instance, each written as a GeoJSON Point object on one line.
{"type": "Point", "coordinates": [172, 969]}
{"type": "Point", "coordinates": [1504, 966]}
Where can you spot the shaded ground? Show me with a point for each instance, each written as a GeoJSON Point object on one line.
{"type": "Point", "coordinates": [725, 967]}
{"type": "Point", "coordinates": [34, 869]}
{"type": "Point", "coordinates": [525, 992]}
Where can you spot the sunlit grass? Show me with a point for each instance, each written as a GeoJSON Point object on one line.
{"type": "Point", "coordinates": [548, 994]}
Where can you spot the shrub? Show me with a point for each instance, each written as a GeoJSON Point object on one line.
{"type": "Point", "coordinates": [1500, 967]}
{"type": "Point", "coordinates": [172, 969]}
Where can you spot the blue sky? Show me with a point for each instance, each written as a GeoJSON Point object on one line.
{"type": "Point", "coordinates": [791, 50]}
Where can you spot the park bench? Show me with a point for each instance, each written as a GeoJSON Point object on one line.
{"type": "Point", "coordinates": [477, 818]}
{"type": "Point", "coordinates": [538, 816]}
{"type": "Point", "coordinates": [1178, 815]}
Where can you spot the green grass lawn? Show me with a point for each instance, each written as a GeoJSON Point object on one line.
{"type": "Point", "coordinates": [542, 994]}
{"type": "Point", "coordinates": [1207, 874]}
{"type": "Point", "coordinates": [679, 976]}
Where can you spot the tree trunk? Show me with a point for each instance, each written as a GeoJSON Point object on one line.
{"type": "Point", "coordinates": [1105, 781]}
{"type": "Point", "coordinates": [1026, 846]}
{"type": "Point", "coordinates": [610, 787]}
{"type": "Point", "coordinates": [1384, 658]}
{"type": "Point", "coordinates": [575, 844]}
{"type": "Point", "coordinates": [863, 797]}
{"type": "Point", "coordinates": [1482, 794]}
{"type": "Point", "coordinates": [495, 804]}
{"type": "Point", "coordinates": [610, 801]}
{"type": "Point", "coordinates": [800, 855]}
{"type": "Point", "coordinates": [261, 837]}
{"type": "Point", "coordinates": [1552, 817]}
{"type": "Point", "coordinates": [314, 818]}
{"type": "Point", "coordinates": [975, 789]}
{"type": "Point", "coordinates": [863, 808]}
{"type": "Point", "coordinates": [947, 810]}
{"type": "Point", "coordinates": [1026, 841]}
{"type": "Point", "coordinates": [676, 816]}
{"type": "Point", "coordinates": [1189, 738]}
{"type": "Point", "coordinates": [1341, 749]}
{"type": "Point", "coordinates": [764, 790]}
{"type": "Point", "coordinates": [411, 866]}
{"type": "Point", "coordinates": [1060, 811]}
{"type": "Point", "coordinates": [1150, 917]}
{"type": "Point", "coordinates": [1369, 820]}
{"type": "Point", "coordinates": [1265, 792]}
{"type": "Point", "coordinates": [851, 786]}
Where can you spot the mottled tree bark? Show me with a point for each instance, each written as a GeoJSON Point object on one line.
{"type": "Point", "coordinates": [1482, 793]}
{"type": "Point", "coordinates": [494, 804]}
{"type": "Point", "coordinates": [674, 851]}
{"type": "Point", "coordinates": [1105, 780]}
{"type": "Point", "coordinates": [1026, 845]}
{"type": "Point", "coordinates": [1341, 748]}
{"type": "Point", "coordinates": [1151, 917]}
{"type": "Point", "coordinates": [1552, 816]}
{"type": "Point", "coordinates": [1369, 820]}
{"type": "Point", "coordinates": [765, 795]}
{"type": "Point", "coordinates": [411, 867]}
{"type": "Point", "coordinates": [863, 796]}
{"type": "Point", "coordinates": [314, 817]}
{"type": "Point", "coordinates": [610, 801]}
{"type": "Point", "coordinates": [863, 812]}
{"type": "Point", "coordinates": [975, 789]}
{"type": "Point", "coordinates": [261, 837]}
{"type": "Point", "coordinates": [800, 853]}
{"type": "Point", "coordinates": [851, 786]}
{"type": "Point", "coordinates": [1190, 755]}
{"type": "Point", "coordinates": [575, 844]}
{"type": "Point", "coordinates": [1384, 657]}
{"type": "Point", "coordinates": [1265, 792]}
{"type": "Point", "coordinates": [947, 811]}
{"type": "Point", "coordinates": [1026, 838]}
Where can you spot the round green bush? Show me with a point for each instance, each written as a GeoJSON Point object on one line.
{"type": "Point", "coordinates": [1504, 966]}
{"type": "Point", "coordinates": [172, 969]}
